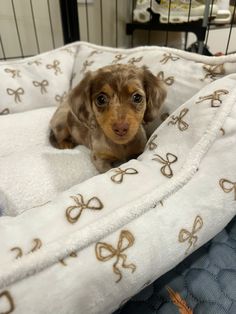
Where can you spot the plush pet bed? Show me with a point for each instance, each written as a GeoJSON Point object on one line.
{"type": "Point", "coordinates": [212, 266]}
{"type": "Point", "coordinates": [85, 247]}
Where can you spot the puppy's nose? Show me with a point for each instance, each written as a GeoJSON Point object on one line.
{"type": "Point", "coordinates": [120, 128]}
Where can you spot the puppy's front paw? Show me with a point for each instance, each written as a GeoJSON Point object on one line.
{"type": "Point", "coordinates": [101, 164]}
{"type": "Point", "coordinates": [64, 144]}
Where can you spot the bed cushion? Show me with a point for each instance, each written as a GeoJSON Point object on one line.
{"type": "Point", "coordinates": [36, 82]}
{"type": "Point", "coordinates": [183, 73]}
{"type": "Point", "coordinates": [109, 236]}
{"type": "Point", "coordinates": [212, 266]}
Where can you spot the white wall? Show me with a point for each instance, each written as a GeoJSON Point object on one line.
{"type": "Point", "coordinates": [8, 29]}
{"type": "Point", "coordinates": [217, 40]}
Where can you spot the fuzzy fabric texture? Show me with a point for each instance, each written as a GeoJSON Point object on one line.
{"type": "Point", "coordinates": [32, 171]}
{"type": "Point", "coordinates": [112, 234]}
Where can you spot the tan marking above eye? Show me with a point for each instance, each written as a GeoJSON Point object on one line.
{"type": "Point", "coordinates": [135, 87]}
{"type": "Point", "coordinates": [107, 89]}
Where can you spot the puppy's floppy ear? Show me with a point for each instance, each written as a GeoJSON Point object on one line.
{"type": "Point", "coordinates": [155, 94]}
{"type": "Point", "coordinates": [80, 102]}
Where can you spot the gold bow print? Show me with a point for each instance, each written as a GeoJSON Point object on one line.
{"type": "Point", "coordinates": [85, 65]}
{"type": "Point", "coordinates": [19, 252]}
{"type": "Point", "coordinates": [119, 176]}
{"type": "Point", "coordinates": [94, 52]}
{"type": "Point", "coordinates": [228, 186]}
{"type": "Point", "coordinates": [167, 57]}
{"type": "Point", "coordinates": [168, 81]}
{"type": "Point", "coordinates": [36, 62]}
{"type": "Point", "coordinates": [16, 93]}
{"type": "Point", "coordinates": [55, 67]}
{"type": "Point", "coordinates": [214, 97]}
{"type": "Point", "coordinates": [69, 50]}
{"type": "Point", "coordinates": [6, 295]}
{"type": "Point", "coordinates": [37, 243]}
{"type": "Point", "coordinates": [14, 73]}
{"type": "Point", "coordinates": [223, 131]}
{"type": "Point", "coordinates": [61, 98]}
{"type": "Point", "coordinates": [105, 252]}
{"type": "Point", "coordinates": [182, 125]}
{"type": "Point", "coordinates": [118, 58]}
{"type": "Point", "coordinates": [191, 236]}
{"type": "Point", "coordinates": [213, 71]}
{"type": "Point", "coordinates": [72, 254]}
{"type": "Point", "coordinates": [151, 143]}
{"type": "Point", "coordinates": [4, 112]}
{"type": "Point", "coordinates": [74, 212]}
{"type": "Point", "coordinates": [166, 169]}
{"type": "Point", "coordinates": [42, 85]}
{"type": "Point", "coordinates": [135, 60]}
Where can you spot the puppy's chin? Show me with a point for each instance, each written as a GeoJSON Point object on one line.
{"type": "Point", "coordinates": [121, 140]}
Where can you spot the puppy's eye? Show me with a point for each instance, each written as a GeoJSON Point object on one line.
{"type": "Point", "coordinates": [137, 98]}
{"type": "Point", "coordinates": [102, 100]}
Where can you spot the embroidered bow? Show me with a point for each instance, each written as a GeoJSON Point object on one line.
{"type": "Point", "coordinates": [85, 65]}
{"type": "Point", "coordinates": [74, 212]}
{"type": "Point", "coordinates": [14, 73]}
{"type": "Point", "coordinates": [94, 52]}
{"type": "Point", "coordinates": [42, 85]}
{"type": "Point", "coordinates": [151, 143]}
{"type": "Point", "coordinates": [69, 50]}
{"type": "Point", "coordinates": [72, 254]}
{"type": "Point", "coordinates": [214, 97]}
{"type": "Point", "coordinates": [228, 186]}
{"type": "Point", "coordinates": [166, 169]}
{"type": "Point", "coordinates": [61, 98]}
{"type": "Point", "coordinates": [223, 131]}
{"type": "Point", "coordinates": [135, 60]}
{"type": "Point", "coordinates": [16, 93]}
{"type": "Point", "coordinates": [213, 71]}
{"type": "Point", "coordinates": [168, 81]}
{"type": "Point", "coordinates": [167, 57]}
{"type": "Point", "coordinates": [105, 252]}
{"type": "Point", "coordinates": [6, 294]}
{"type": "Point", "coordinates": [4, 112]}
{"type": "Point", "coordinates": [118, 58]}
{"type": "Point", "coordinates": [36, 62]}
{"type": "Point", "coordinates": [119, 176]}
{"type": "Point", "coordinates": [37, 243]}
{"type": "Point", "coordinates": [55, 67]}
{"type": "Point", "coordinates": [182, 125]}
{"type": "Point", "coordinates": [191, 236]}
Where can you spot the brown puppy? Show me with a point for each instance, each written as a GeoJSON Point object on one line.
{"type": "Point", "coordinates": [106, 112]}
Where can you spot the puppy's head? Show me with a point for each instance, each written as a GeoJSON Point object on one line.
{"type": "Point", "coordinates": [119, 98]}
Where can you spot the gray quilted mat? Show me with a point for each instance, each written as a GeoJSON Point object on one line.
{"type": "Point", "coordinates": [206, 280]}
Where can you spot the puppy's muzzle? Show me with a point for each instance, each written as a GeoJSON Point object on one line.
{"type": "Point", "coordinates": [120, 128]}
